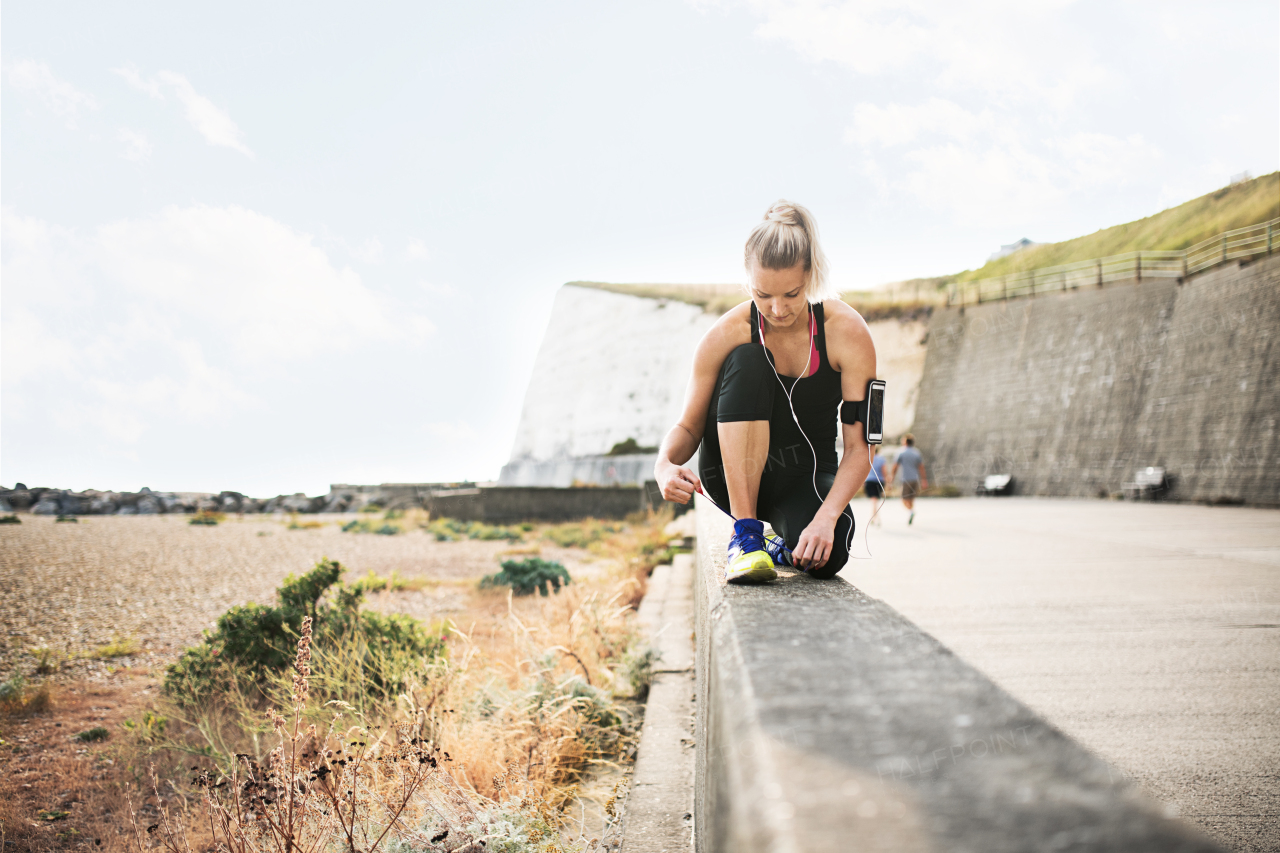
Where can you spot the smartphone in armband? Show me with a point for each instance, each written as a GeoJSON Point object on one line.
{"type": "Point", "coordinates": [873, 422]}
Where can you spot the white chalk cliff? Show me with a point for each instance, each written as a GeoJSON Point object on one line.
{"type": "Point", "coordinates": [611, 367]}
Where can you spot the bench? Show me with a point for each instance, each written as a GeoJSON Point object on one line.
{"type": "Point", "coordinates": [995, 484]}
{"type": "Point", "coordinates": [1148, 483]}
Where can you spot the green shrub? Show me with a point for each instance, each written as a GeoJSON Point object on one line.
{"type": "Point", "coordinates": [92, 735]}
{"type": "Point", "coordinates": [255, 642]}
{"type": "Point", "coordinates": [67, 519]}
{"type": "Point", "coordinates": [527, 576]}
{"type": "Point", "coordinates": [10, 519]}
{"type": "Point", "coordinates": [630, 446]}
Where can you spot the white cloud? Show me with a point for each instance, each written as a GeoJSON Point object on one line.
{"type": "Point", "coordinates": [416, 250]}
{"type": "Point", "coordinates": [63, 99]}
{"type": "Point", "coordinates": [137, 147]}
{"type": "Point", "coordinates": [1005, 49]}
{"type": "Point", "coordinates": [131, 76]}
{"type": "Point", "coordinates": [173, 315]}
{"type": "Point", "coordinates": [898, 124]}
{"type": "Point", "coordinates": [212, 122]}
{"type": "Point", "coordinates": [268, 286]}
{"type": "Point", "coordinates": [987, 166]}
{"type": "Point", "coordinates": [998, 126]}
{"type": "Point", "coordinates": [370, 251]}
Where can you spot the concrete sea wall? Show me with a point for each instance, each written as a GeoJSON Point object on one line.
{"type": "Point", "coordinates": [1071, 393]}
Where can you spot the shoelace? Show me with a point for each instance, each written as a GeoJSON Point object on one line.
{"type": "Point", "coordinates": [749, 541]}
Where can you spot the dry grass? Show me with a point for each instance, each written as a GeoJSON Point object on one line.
{"type": "Point", "coordinates": [530, 701]}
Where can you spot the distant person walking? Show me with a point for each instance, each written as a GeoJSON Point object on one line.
{"type": "Point", "coordinates": [911, 464]}
{"type": "Point", "coordinates": [874, 486]}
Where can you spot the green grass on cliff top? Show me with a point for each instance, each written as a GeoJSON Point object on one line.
{"type": "Point", "coordinates": [1236, 206]}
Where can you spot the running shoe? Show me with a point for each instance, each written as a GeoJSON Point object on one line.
{"type": "Point", "coordinates": [749, 562]}
{"type": "Point", "coordinates": [778, 551]}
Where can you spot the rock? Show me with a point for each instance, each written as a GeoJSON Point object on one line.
{"type": "Point", "coordinates": [127, 510]}
{"type": "Point", "coordinates": [148, 505]}
{"type": "Point", "coordinates": [18, 497]}
{"type": "Point", "coordinates": [103, 504]}
{"type": "Point", "coordinates": [45, 507]}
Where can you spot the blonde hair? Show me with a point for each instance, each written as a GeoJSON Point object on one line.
{"type": "Point", "coordinates": [788, 235]}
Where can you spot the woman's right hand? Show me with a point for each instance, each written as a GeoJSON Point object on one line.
{"type": "Point", "coordinates": [677, 482]}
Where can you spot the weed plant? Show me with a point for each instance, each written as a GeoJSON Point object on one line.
{"type": "Point", "coordinates": [20, 699]}
{"type": "Point", "coordinates": [364, 525]}
{"type": "Point", "coordinates": [67, 519]}
{"type": "Point", "coordinates": [451, 530]}
{"type": "Point", "coordinates": [93, 735]}
{"type": "Point", "coordinates": [207, 518]}
{"type": "Point", "coordinates": [118, 647]}
{"type": "Point", "coordinates": [10, 519]}
{"type": "Point", "coordinates": [294, 524]}
{"type": "Point", "coordinates": [372, 582]}
{"type": "Point", "coordinates": [527, 576]}
{"type": "Point", "coordinates": [582, 534]}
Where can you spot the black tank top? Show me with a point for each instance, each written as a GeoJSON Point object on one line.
{"type": "Point", "coordinates": [816, 399]}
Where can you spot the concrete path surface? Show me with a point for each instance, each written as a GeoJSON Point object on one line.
{"type": "Point", "coordinates": [1148, 632]}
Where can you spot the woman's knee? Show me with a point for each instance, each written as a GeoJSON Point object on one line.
{"type": "Point", "coordinates": [839, 552]}
{"type": "Point", "coordinates": [746, 385]}
{"type": "Point", "coordinates": [839, 557]}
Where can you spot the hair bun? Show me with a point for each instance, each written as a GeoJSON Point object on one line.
{"type": "Point", "coordinates": [783, 212]}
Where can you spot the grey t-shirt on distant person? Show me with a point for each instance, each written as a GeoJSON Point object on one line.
{"type": "Point", "coordinates": [909, 462]}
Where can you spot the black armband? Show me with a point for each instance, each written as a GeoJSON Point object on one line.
{"type": "Point", "coordinates": [853, 411]}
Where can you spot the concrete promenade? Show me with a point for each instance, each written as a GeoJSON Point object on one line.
{"type": "Point", "coordinates": [1150, 633]}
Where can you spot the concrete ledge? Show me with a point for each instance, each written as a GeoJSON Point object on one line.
{"type": "Point", "coordinates": [660, 805]}
{"type": "Point", "coordinates": [828, 722]}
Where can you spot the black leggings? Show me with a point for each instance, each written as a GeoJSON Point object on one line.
{"type": "Point", "coordinates": [748, 390]}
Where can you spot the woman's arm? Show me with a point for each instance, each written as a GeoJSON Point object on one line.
{"type": "Point", "coordinates": [851, 352]}
{"type": "Point", "coordinates": [677, 482]}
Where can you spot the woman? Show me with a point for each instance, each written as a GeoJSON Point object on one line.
{"type": "Point", "coordinates": [768, 380]}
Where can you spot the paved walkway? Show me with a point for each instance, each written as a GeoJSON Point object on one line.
{"type": "Point", "coordinates": [1149, 632]}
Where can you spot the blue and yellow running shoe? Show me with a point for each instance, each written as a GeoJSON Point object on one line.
{"type": "Point", "coordinates": [749, 562]}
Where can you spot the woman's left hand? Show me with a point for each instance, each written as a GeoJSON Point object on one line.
{"type": "Point", "coordinates": [814, 548]}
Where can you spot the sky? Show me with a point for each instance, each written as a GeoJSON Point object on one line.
{"type": "Point", "coordinates": [269, 247]}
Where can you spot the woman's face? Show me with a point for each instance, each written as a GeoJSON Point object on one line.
{"type": "Point", "coordinates": [779, 294]}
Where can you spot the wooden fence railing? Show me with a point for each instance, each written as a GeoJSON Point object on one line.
{"type": "Point", "coordinates": [1241, 243]}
